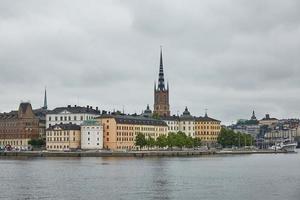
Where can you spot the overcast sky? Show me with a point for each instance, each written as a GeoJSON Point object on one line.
{"type": "Point", "coordinates": [227, 56]}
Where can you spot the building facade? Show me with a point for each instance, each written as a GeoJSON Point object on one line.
{"type": "Point", "coordinates": [17, 128]}
{"type": "Point", "coordinates": [91, 135]}
{"type": "Point", "coordinates": [187, 123]}
{"type": "Point", "coordinates": [63, 137]}
{"type": "Point", "coordinates": [161, 93]}
{"type": "Point", "coordinates": [207, 129]}
{"type": "Point", "coordinates": [71, 114]}
{"type": "Point", "coordinates": [119, 131]}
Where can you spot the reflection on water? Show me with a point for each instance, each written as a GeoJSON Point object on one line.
{"type": "Point", "coordinates": [244, 177]}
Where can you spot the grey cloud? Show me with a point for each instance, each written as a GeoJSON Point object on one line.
{"type": "Point", "coordinates": [227, 56]}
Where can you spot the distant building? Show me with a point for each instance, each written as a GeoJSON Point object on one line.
{"type": "Point", "coordinates": [267, 120]}
{"type": "Point", "coordinates": [250, 126]}
{"type": "Point", "coordinates": [71, 114]}
{"type": "Point", "coordinates": [61, 137]}
{"type": "Point", "coordinates": [91, 135]}
{"type": "Point", "coordinates": [119, 131]}
{"type": "Point", "coordinates": [17, 128]}
{"type": "Point", "coordinates": [161, 93]}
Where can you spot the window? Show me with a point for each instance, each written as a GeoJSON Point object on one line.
{"type": "Point", "coordinates": [75, 118]}
{"type": "Point", "coordinates": [107, 139]}
{"type": "Point", "coordinates": [49, 118]}
{"type": "Point", "coordinates": [55, 118]}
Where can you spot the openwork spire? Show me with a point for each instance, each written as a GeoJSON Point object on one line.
{"type": "Point", "coordinates": [161, 79]}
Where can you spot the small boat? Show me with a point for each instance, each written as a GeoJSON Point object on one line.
{"type": "Point", "coordinates": [286, 145]}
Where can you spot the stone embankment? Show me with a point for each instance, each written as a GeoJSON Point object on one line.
{"type": "Point", "coordinates": [132, 153]}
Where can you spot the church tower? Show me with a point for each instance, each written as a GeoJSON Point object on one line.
{"type": "Point", "coordinates": [161, 93]}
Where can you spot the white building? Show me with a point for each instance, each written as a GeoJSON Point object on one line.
{"type": "Point", "coordinates": [187, 123]}
{"type": "Point", "coordinates": [69, 114]}
{"type": "Point", "coordinates": [91, 135]}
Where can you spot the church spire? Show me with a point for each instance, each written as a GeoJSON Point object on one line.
{"type": "Point", "coordinates": [161, 79]}
{"type": "Point", "coordinates": [45, 100]}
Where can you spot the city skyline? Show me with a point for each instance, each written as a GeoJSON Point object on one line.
{"type": "Point", "coordinates": [217, 56]}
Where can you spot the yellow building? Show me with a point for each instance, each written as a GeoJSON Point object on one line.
{"type": "Point", "coordinates": [63, 137]}
{"type": "Point", "coordinates": [119, 131]}
{"type": "Point", "coordinates": [207, 129]}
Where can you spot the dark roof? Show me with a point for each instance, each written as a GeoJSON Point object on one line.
{"type": "Point", "coordinates": [75, 109]}
{"type": "Point", "coordinates": [10, 115]}
{"type": "Point", "coordinates": [65, 127]}
{"type": "Point", "coordinates": [129, 119]}
{"type": "Point", "coordinates": [206, 118]}
{"type": "Point", "coordinates": [170, 118]}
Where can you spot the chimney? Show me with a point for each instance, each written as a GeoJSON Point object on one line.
{"type": "Point", "coordinates": [267, 116]}
{"type": "Point", "coordinates": [69, 106]}
{"type": "Point", "coordinates": [91, 107]}
{"type": "Point", "coordinates": [87, 106]}
{"type": "Point", "coordinates": [97, 108]}
{"type": "Point", "coordinates": [75, 106]}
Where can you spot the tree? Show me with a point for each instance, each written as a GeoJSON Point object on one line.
{"type": "Point", "coordinates": [197, 142]}
{"type": "Point", "coordinates": [37, 142]}
{"type": "Point", "coordinates": [180, 139]}
{"type": "Point", "coordinates": [228, 138]}
{"type": "Point", "coordinates": [189, 142]}
{"type": "Point", "coordinates": [171, 140]}
{"type": "Point", "coordinates": [140, 140]}
{"type": "Point", "coordinates": [161, 141]}
{"type": "Point", "coordinates": [150, 142]}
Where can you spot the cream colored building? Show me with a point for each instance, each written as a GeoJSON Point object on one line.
{"type": "Point", "coordinates": [207, 129]}
{"type": "Point", "coordinates": [119, 131]}
{"type": "Point", "coordinates": [267, 120]}
{"type": "Point", "coordinates": [61, 137]}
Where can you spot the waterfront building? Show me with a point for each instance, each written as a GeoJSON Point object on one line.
{"type": "Point", "coordinates": [187, 123]}
{"type": "Point", "coordinates": [17, 128]}
{"type": "Point", "coordinates": [91, 135]}
{"type": "Point", "coordinates": [71, 114]}
{"type": "Point", "coordinates": [161, 93]}
{"type": "Point", "coordinates": [119, 131]}
{"type": "Point", "coordinates": [172, 122]}
{"type": "Point", "coordinates": [247, 126]}
{"type": "Point", "coordinates": [207, 129]}
{"type": "Point", "coordinates": [63, 137]}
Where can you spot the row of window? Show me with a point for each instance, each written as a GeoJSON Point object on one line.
{"type": "Point", "coordinates": [69, 118]}
{"type": "Point", "coordinates": [60, 139]}
{"type": "Point", "coordinates": [14, 142]}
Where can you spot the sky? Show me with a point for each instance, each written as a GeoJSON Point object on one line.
{"type": "Point", "coordinates": [227, 56]}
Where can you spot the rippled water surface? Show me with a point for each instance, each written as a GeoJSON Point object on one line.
{"type": "Point", "coordinates": [241, 177]}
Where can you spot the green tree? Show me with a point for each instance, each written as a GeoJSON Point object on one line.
{"type": "Point", "coordinates": [140, 140]}
{"type": "Point", "coordinates": [150, 142]}
{"type": "Point", "coordinates": [197, 142]}
{"type": "Point", "coordinates": [180, 139]}
{"type": "Point", "coordinates": [189, 142]}
{"type": "Point", "coordinates": [171, 139]}
{"type": "Point", "coordinates": [37, 142]}
{"type": "Point", "coordinates": [161, 141]}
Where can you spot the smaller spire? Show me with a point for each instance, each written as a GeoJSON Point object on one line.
{"type": "Point", "coordinates": [253, 117]}
{"type": "Point", "coordinates": [45, 99]}
{"type": "Point", "coordinates": [205, 113]}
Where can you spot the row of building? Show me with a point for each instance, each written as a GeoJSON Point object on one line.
{"type": "Point", "coordinates": [74, 127]}
{"type": "Point", "coordinates": [269, 129]}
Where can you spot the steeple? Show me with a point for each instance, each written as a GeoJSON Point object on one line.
{"type": "Point", "coordinates": [45, 100]}
{"type": "Point", "coordinates": [253, 116]}
{"type": "Point", "coordinates": [161, 78]}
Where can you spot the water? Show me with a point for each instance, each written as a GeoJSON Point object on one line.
{"type": "Point", "coordinates": [239, 177]}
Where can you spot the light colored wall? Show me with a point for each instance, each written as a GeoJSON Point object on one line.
{"type": "Point", "coordinates": [92, 137]}
{"type": "Point", "coordinates": [63, 139]}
